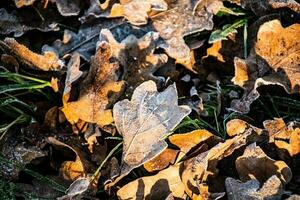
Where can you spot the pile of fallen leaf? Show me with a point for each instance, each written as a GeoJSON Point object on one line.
{"type": "Point", "coordinates": [150, 99]}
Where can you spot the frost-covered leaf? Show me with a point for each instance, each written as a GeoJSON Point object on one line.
{"type": "Point", "coordinates": [145, 121]}
{"type": "Point", "coordinates": [77, 189]}
{"type": "Point", "coordinates": [73, 74]}
{"type": "Point", "coordinates": [46, 62]}
{"type": "Point", "coordinates": [274, 60]}
{"type": "Point", "coordinates": [98, 92]}
{"type": "Point", "coordinates": [19, 23]}
{"type": "Point", "coordinates": [136, 11]}
{"type": "Point", "coordinates": [272, 189]}
{"type": "Point", "coordinates": [137, 57]}
{"type": "Point", "coordinates": [184, 17]}
{"type": "Point", "coordinates": [255, 164]}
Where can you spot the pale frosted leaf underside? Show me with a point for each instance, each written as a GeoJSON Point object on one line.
{"type": "Point", "coordinates": [145, 120]}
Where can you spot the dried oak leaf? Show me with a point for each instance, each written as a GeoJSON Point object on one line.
{"type": "Point", "coordinates": [264, 7]}
{"type": "Point", "coordinates": [162, 161]}
{"type": "Point", "coordinates": [187, 141]}
{"type": "Point", "coordinates": [145, 121]}
{"type": "Point", "coordinates": [198, 171]}
{"type": "Point", "coordinates": [71, 170]}
{"type": "Point", "coordinates": [137, 57]}
{"type": "Point", "coordinates": [98, 91]}
{"type": "Point", "coordinates": [284, 136]}
{"type": "Point", "coordinates": [68, 7]}
{"type": "Point", "coordinates": [19, 23]}
{"type": "Point", "coordinates": [46, 62]}
{"type": "Point", "coordinates": [184, 17]}
{"type": "Point", "coordinates": [274, 60]}
{"type": "Point", "coordinates": [154, 187]}
{"type": "Point", "coordinates": [272, 189]}
{"type": "Point", "coordinates": [136, 11]}
{"type": "Point", "coordinates": [255, 164]}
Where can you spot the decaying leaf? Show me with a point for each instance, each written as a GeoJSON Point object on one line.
{"type": "Point", "coordinates": [184, 17]}
{"type": "Point", "coordinates": [137, 56]}
{"type": "Point", "coordinates": [274, 60]}
{"type": "Point", "coordinates": [255, 164]}
{"type": "Point", "coordinates": [71, 170]}
{"type": "Point", "coordinates": [187, 141]}
{"type": "Point", "coordinates": [98, 92]}
{"type": "Point", "coordinates": [135, 11]}
{"type": "Point", "coordinates": [68, 7]}
{"type": "Point", "coordinates": [198, 170]}
{"type": "Point", "coordinates": [45, 62]}
{"type": "Point", "coordinates": [284, 136]}
{"type": "Point", "coordinates": [144, 121]}
{"type": "Point", "coordinates": [162, 161]}
{"type": "Point", "coordinates": [158, 186]}
{"type": "Point", "coordinates": [13, 23]}
{"type": "Point", "coordinates": [250, 190]}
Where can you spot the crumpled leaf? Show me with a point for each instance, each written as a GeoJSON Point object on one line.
{"type": "Point", "coordinates": [83, 42]}
{"type": "Point", "coordinates": [71, 170]}
{"type": "Point", "coordinates": [158, 186]}
{"type": "Point", "coordinates": [136, 11]}
{"type": "Point", "coordinates": [98, 91]}
{"type": "Point", "coordinates": [144, 121]}
{"type": "Point", "coordinates": [255, 164]}
{"type": "Point", "coordinates": [184, 17]}
{"type": "Point", "coordinates": [273, 60]}
{"type": "Point", "coordinates": [162, 161]}
{"type": "Point", "coordinates": [68, 7]}
{"type": "Point", "coordinates": [263, 7]}
{"type": "Point", "coordinates": [137, 56]}
{"type": "Point", "coordinates": [46, 62]}
{"type": "Point", "coordinates": [198, 171]}
{"type": "Point", "coordinates": [19, 24]}
{"type": "Point", "coordinates": [250, 190]}
{"type": "Point", "coordinates": [284, 136]}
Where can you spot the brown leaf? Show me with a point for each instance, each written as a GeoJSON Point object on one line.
{"type": "Point", "coordinates": [187, 141]}
{"type": "Point", "coordinates": [162, 161]}
{"type": "Point", "coordinates": [71, 170]}
{"type": "Point", "coordinates": [283, 136]}
{"type": "Point", "coordinates": [184, 17]}
{"type": "Point", "coordinates": [158, 186]}
{"type": "Point", "coordinates": [68, 7]}
{"type": "Point", "coordinates": [250, 190]}
{"type": "Point", "coordinates": [46, 62]}
{"type": "Point", "coordinates": [255, 164]}
{"type": "Point", "coordinates": [135, 11]}
{"type": "Point", "coordinates": [98, 91]}
{"type": "Point", "coordinates": [137, 57]}
{"type": "Point", "coordinates": [273, 60]}
{"type": "Point", "coordinates": [199, 170]}
{"type": "Point", "coordinates": [145, 121]}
